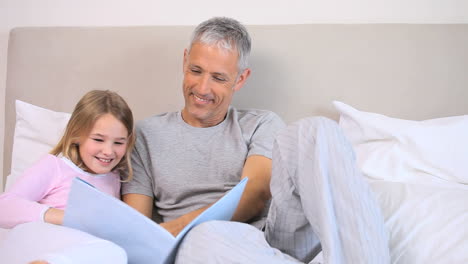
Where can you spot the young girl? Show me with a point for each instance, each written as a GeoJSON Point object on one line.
{"type": "Point", "coordinates": [95, 147]}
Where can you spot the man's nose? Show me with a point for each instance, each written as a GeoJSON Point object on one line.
{"type": "Point", "coordinates": [203, 85]}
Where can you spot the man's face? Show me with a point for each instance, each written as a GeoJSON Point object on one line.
{"type": "Point", "coordinates": [210, 80]}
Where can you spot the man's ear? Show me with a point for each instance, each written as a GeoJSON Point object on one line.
{"type": "Point", "coordinates": [241, 80]}
{"type": "Point", "coordinates": [186, 54]}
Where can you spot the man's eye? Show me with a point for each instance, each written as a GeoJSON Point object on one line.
{"type": "Point", "coordinates": [219, 79]}
{"type": "Point", "coordinates": [195, 71]}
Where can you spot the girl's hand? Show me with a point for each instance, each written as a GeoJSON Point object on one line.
{"type": "Point", "coordinates": [54, 216]}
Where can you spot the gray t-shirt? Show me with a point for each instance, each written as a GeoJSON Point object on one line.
{"type": "Point", "coordinates": [185, 168]}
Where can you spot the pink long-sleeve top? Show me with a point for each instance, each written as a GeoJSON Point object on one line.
{"type": "Point", "coordinates": [47, 184]}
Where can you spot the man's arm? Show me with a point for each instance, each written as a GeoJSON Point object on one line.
{"type": "Point", "coordinates": [140, 202]}
{"type": "Point", "coordinates": [257, 192]}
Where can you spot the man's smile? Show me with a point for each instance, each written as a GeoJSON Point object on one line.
{"type": "Point", "coordinates": [202, 100]}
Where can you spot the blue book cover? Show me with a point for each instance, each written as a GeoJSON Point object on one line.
{"type": "Point", "coordinates": [104, 216]}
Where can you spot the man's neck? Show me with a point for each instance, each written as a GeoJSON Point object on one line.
{"type": "Point", "coordinates": [203, 123]}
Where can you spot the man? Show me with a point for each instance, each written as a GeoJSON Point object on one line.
{"type": "Point", "coordinates": [185, 161]}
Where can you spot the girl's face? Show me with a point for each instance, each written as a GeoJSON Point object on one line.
{"type": "Point", "coordinates": [105, 145]}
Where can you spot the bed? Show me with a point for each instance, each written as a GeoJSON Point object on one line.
{"type": "Point", "coordinates": [399, 92]}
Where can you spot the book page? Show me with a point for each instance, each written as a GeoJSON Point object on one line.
{"type": "Point", "coordinates": [223, 209]}
{"type": "Point", "coordinates": [104, 216]}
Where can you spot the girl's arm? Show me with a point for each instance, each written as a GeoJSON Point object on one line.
{"type": "Point", "coordinates": [20, 204]}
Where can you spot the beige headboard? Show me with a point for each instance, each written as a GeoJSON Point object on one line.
{"type": "Point", "coordinates": [405, 71]}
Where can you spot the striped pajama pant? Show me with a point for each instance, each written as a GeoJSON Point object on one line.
{"type": "Point", "coordinates": [320, 201]}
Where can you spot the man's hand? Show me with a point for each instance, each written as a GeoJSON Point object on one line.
{"type": "Point", "coordinates": [176, 225]}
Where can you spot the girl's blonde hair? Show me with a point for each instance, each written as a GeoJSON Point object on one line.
{"type": "Point", "coordinates": [88, 110]}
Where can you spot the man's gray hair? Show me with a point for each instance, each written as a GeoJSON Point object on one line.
{"type": "Point", "coordinates": [226, 33]}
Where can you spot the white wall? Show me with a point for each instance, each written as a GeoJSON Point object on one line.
{"type": "Point", "coordinates": [16, 13]}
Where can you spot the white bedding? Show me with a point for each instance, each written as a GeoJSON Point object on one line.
{"type": "Point", "coordinates": [418, 170]}
{"type": "Point", "coordinates": [428, 223]}
{"type": "Point", "coordinates": [2, 234]}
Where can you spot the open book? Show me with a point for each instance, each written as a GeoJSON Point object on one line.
{"type": "Point", "coordinates": [104, 216]}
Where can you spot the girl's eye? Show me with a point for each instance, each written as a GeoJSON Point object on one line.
{"type": "Point", "coordinates": [98, 140]}
{"type": "Point", "coordinates": [118, 143]}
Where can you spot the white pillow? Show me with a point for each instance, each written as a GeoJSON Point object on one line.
{"type": "Point", "coordinates": [37, 131]}
{"type": "Point", "coordinates": [418, 171]}
{"type": "Point", "coordinates": [391, 149]}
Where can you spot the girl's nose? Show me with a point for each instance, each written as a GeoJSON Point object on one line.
{"type": "Point", "coordinates": [107, 149]}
